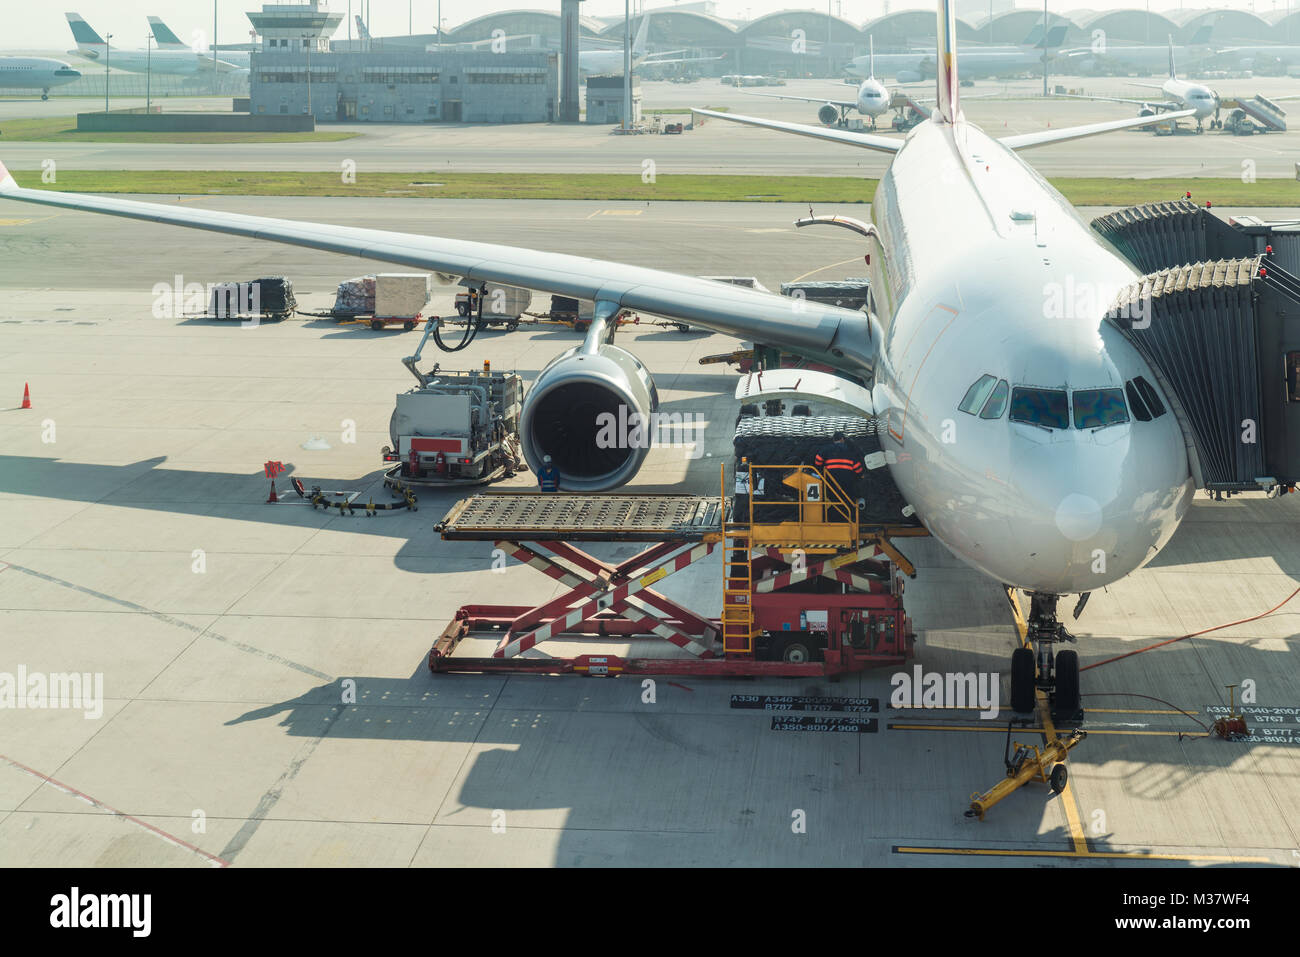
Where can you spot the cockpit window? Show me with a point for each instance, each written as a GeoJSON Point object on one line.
{"type": "Point", "coordinates": [1140, 410]}
{"type": "Point", "coordinates": [1046, 407]}
{"type": "Point", "coordinates": [1148, 393]}
{"type": "Point", "coordinates": [997, 401]}
{"type": "Point", "coordinates": [1098, 408]}
{"type": "Point", "coordinates": [977, 393]}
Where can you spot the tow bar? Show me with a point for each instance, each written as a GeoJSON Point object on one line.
{"type": "Point", "coordinates": [1029, 763]}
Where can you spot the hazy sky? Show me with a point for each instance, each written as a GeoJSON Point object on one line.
{"type": "Point", "coordinates": [42, 26]}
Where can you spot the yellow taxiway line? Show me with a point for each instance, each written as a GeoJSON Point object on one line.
{"type": "Point", "coordinates": [1084, 854]}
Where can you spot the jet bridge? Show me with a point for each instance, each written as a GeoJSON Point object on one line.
{"type": "Point", "coordinates": [1218, 317]}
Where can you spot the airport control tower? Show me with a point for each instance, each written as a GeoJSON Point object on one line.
{"type": "Point", "coordinates": [291, 27]}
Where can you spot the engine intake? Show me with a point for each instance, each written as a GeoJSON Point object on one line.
{"type": "Point", "coordinates": [829, 115]}
{"type": "Point", "coordinates": [584, 411]}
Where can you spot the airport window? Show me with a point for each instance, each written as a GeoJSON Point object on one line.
{"type": "Point", "coordinates": [1140, 410]}
{"type": "Point", "coordinates": [977, 394]}
{"type": "Point", "coordinates": [1046, 407]}
{"type": "Point", "coordinates": [997, 401]}
{"type": "Point", "coordinates": [1293, 376]}
{"type": "Point", "coordinates": [1148, 393]}
{"type": "Point", "coordinates": [1098, 408]}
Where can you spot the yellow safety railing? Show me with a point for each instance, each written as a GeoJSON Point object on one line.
{"type": "Point", "coordinates": [821, 514]}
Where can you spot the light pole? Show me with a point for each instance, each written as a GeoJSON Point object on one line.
{"type": "Point", "coordinates": [108, 53]}
{"type": "Point", "coordinates": [307, 44]}
{"type": "Point", "coordinates": [148, 70]}
{"type": "Point", "coordinates": [1045, 30]}
{"type": "Point", "coordinates": [627, 64]}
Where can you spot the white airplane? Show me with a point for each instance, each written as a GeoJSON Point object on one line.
{"type": "Point", "coordinates": [34, 73]}
{"type": "Point", "coordinates": [1180, 95]}
{"type": "Point", "coordinates": [873, 98]}
{"type": "Point", "coordinates": [172, 62]}
{"type": "Point", "coordinates": [982, 60]}
{"type": "Point", "coordinates": [1040, 451]}
{"type": "Point", "coordinates": [167, 40]}
{"type": "Point", "coordinates": [602, 62]}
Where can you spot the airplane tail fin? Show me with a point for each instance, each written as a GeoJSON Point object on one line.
{"type": "Point", "coordinates": [1055, 36]}
{"type": "Point", "coordinates": [1202, 34]}
{"type": "Point", "coordinates": [82, 31]}
{"type": "Point", "coordinates": [362, 32]}
{"type": "Point", "coordinates": [638, 45]}
{"type": "Point", "coordinates": [947, 107]}
{"type": "Point", "coordinates": [164, 36]}
{"type": "Point", "coordinates": [1172, 74]}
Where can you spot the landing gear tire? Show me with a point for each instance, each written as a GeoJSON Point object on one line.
{"type": "Point", "coordinates": [45, 96]}
{"type": "Point", "coordinates": [1022, 680]}
{"type": "Point", "coordinates": [1060, 776]}
{"type": "Point", "coordinates": [1068, 699]}
{"type": "Point", "coordinates": [796, 653]}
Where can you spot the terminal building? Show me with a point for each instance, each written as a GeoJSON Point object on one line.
{"type": "Point", "coordinates": [294, 72]}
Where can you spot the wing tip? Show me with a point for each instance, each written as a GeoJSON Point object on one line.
{"type": "Point", "coordinates": [7, 182]}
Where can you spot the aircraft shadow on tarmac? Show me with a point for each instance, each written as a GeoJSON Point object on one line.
{"type": "Point", "coordinates": [591, 748]}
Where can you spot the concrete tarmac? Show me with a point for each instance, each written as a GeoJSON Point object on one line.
{"type": "Point", "coordinates": [715, 147]}
{"type": "Point", "coordinates": [266, 700]}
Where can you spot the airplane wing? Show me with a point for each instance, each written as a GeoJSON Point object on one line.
{"type": "Point", "coordinates": [805, 99]}
{"type": "Point", "coordinates": [689, 59]}
{"type": "Point", "coordinates": [866, 141]}
{"type": "Point", "coordinates": [1159, 105]}
{"type": "Point", "coordinates": [796, 324]}
{"type": "Point", "coordinates": [1023, 141]}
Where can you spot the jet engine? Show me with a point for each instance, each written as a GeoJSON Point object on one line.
{"type": "Point", "coordinates": [829, 114]}
{"type": "Point", "coordinates": [909, 76]}
{"type": "Point", "coordinates": [590, 412]}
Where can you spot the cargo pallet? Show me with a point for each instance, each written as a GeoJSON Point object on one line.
{"type": "Point", "coordinates": [794, 591]}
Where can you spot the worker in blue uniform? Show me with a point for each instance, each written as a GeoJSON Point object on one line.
{"type": "Point", "coordinates": [548, 476]}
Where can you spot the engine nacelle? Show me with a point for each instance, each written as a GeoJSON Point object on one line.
{"type": "Point", "coordinates": [591, 413]}
{"type": "Point", "coordinates": [829, 115]}
{"type": "Point", "coordinates": [909, 76]}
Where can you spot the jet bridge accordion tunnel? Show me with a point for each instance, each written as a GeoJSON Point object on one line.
{"type": "Point", "coordinates": [1217, 314]}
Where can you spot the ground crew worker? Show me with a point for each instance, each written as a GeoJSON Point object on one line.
{"type": "Point", "coordinates": [548, 477]}
{"type": "Point", "coordinates": [740, 503]}
{"type": "Point", "coordinates": [841, 462]}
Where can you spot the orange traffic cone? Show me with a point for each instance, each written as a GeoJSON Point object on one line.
{"type": "Point", "coordinates": [273, 497]}
{"type": "Point", "coordinates": [27, 397]}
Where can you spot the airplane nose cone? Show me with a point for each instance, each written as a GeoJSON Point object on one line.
{"type": "Point", "coordinates": [1097, 507]}
{"type": "Point", "coordinates": [1078, 517]}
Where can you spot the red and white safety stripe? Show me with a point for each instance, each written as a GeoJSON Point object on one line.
{"type": "Point", "coordinates": [605, 601]}
{"type": "Point", "coordinates": [785, 579]}
{"type": "Point", "coordinates": [541, 563]}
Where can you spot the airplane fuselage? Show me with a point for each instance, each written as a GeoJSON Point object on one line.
{"type": "Point", "coordinates": [982, 268]}
{"type": "Point", "coordinates": [170, 62]}
{"type": "Point", "coordinates": [34, 73]}
{"type": "Point", "coordinates": [918, 65]}
{"type": "Point", "coordinates": [873, 98]}
{"type": "Point", "coordinates": [1195, 96]}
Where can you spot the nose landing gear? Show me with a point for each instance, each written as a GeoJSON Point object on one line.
{"type": "Point", "coordinates": [1055, 673]}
